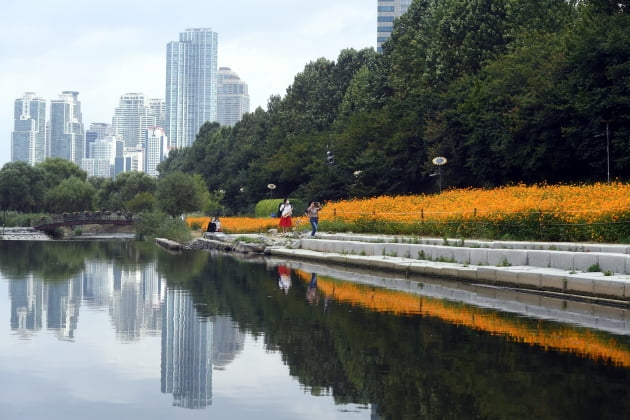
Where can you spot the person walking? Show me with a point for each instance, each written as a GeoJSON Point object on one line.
{"type": "Point", "coordinates": [285, 215]}
{"type": "Point", "coordinates": [312, 211]}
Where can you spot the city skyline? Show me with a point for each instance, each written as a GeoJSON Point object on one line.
{"type": "Point", "coordinates": [104, 54]}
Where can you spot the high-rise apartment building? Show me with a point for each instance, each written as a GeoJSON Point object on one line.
{"type": "Point", "coordinates": [66, 128]}
{"type": "Point", "coordinates": [155, 150]}
{"type": "Point", "coordinates": [232, 97]}
{"type": "Point", "coordinates": [131, 119]}
{"type": "Point", "coordinates": [97, 131]}
{"type": "Point", "coordinates": [387, 12]}
{"type": "Point", "coordinates": [28, 139]}
{"type": "Point", "coordinates": [157, 110]}
{"type": "Point", "coordinates": [191, 84]}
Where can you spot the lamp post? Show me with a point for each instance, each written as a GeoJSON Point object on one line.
{"type": "Point", "coordinates": [439, 161]}
{"type": "Point", "coordinates": [271, 188]}
{"type": "Point", "coordinates": [607, 134]}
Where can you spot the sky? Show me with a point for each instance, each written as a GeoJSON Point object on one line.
{"type": "Point", "coordinates": [106, 49]}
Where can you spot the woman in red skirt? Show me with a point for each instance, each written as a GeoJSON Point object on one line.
{"type": "Point", "coordinates": [285, 215]}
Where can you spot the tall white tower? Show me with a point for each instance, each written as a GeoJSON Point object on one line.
{"type": "Point", "coordinates": [191, 84]}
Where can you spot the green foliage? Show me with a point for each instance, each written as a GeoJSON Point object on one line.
{"type": "Point", "coordinates": [178, 193]}
{"type": "Point", "coordinates": [70, 195]}
{"type": "Point", "coordinates": [159, 225]}
{"type": "Point", "coordinates": [141, 202]}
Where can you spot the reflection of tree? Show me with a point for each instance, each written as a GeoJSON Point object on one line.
{"type": "Point", "coordinates": [407, 366]}
{"type": "Point", "coordinates": [62, 260]}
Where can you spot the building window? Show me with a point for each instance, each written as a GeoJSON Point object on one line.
{"type": "Point", "coordinates": [385, 19]}
{"type": "Point", "coordinates": [386, 9]}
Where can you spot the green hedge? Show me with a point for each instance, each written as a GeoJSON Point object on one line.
{"type": "Point", "coordinates": [269, 207]}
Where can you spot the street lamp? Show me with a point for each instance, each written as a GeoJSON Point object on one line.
{"type": "Point", "coordinates": [439, 161]}
{"type": "Point", "coordinates": [607, 133]}
{"type": "Point", "coordinates": [271, 188]}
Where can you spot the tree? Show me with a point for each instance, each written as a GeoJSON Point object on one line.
{"type": "Point", "coordinates": [178, 193]}
{"type": "Point", "coordinates": [73, 194]}
{"type": "Point", "coordinates": [23, 187]}
{"type": "Point", "coordinates": [58, 169]}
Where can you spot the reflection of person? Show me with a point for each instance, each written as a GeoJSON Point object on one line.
{"type": "Point", "coordinates": [312, 211]}
{"type": "Point", "coordinates": [285, 215]}
{"type": "Point", "coordinates": [284, 282]}
{"type": "Point", "coordinates": [311, 292]}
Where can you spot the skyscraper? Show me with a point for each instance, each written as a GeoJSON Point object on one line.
{"type": "Point", "coordinates": [66, 128]}
{"type": "Point", "coordinates": [131, 119]}
{"type": "Point", "coordinates": [157, 110]}
{"type": "Point", "coordinates": [155, 149]}
{"type": "Point", "coordinates": [232, 97]}
{"type": "Point", "coordinates": [387, 12]}
{"type": "Point", "coordinates": [191, 84]}
{"type": "Point", "coordinates": [28, 139]}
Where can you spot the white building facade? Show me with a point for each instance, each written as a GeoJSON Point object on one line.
{"type": "Point", "coordinates": [232, 97]}
{"type": "Point", "coordinates": [66, 128]}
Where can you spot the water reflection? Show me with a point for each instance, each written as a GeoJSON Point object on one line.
{"type": "Point", "coordinates": [369, 348]}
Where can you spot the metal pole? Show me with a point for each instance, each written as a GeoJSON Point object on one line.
{"type": "Point", "coordinates": [607, 154]}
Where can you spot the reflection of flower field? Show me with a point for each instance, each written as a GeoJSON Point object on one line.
{"type": "Point", "coordinates": [598, 212]}
{"type": "Point", "coordinates": [575, 340]}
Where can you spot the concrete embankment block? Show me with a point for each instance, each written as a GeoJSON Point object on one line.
{"type": "Point", "coordinates": [500, 257]}
{"type": "Point", "coordinates": [553, 282]}
{"type": "Point", "coordinates": [583, 260]}
{"type": "Point", "coordinates": [487, 274]}
{"type": "Point", "coordinates": [561, 259]}
{"type": "Point", "coordinates": [479, 256]}
{"type": "Point", "coordinates": [579, 285]}
{"type": "Point", "coordinates": [529, 279]}
{"type": "Point", "coordinates": [538, 259]}
{"type": "Point", "coordinates": [443, 253]}
{"type": "Point", "coordinates": [613, 262]}
{"type": "Point", "coordinates": [610, 288]}
{"type": "Point", "coordinates": [461, 255]}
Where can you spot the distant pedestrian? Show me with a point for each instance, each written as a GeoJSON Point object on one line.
{"type": "Point", "coordinates": [286, 212]}
{"type": "Point", "coordinates": [312, 212]}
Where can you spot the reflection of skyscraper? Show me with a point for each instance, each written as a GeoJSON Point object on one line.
{"type": "Point", "coordinates": [191, 85]}
{"type": "Point", "coordinates": [26, 305]}
{"type": "Point", "coordinates": [62, 309]}
{"type": "Point", "coordinates": [227, 339]}
{"type": "Point", "coordinates": [186, 352]}
{"type": "Point", "coordinates": [135, 305]}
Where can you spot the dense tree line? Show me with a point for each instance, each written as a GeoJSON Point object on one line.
{"type": "Point", "coordinates": [507, 90]}
{"type": "Point", "coordinates": [59, 186]}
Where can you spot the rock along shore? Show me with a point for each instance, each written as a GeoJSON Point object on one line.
{"type": "Point", "coordinates": [586, 270]}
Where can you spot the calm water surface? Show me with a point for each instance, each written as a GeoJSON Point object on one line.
{"type": "Point", "coordinates": [125, 330]}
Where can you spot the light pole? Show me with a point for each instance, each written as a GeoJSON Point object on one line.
{"type": "Point", "coordinates": [439, 161]}
{"type": "Point", "coordinates": [271, 188]}
{"type": "Point", "coordinates": [607, 133]}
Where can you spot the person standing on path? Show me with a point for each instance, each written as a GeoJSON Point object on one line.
{"type": "Point", "coordinates": [285, 215]}
{"type": "Point", "coordinates": [312, 211]}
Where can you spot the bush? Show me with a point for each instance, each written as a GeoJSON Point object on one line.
{"type": "Point", "coordinates": [269, 207]}
{"type": "Point", "coordinates": [159, 225]}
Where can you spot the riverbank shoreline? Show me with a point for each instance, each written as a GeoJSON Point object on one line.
{"type": "Point", "coordinates": [596, 272]}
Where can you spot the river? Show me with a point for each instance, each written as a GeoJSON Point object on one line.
{"type": "Point", "coordinates": [124, 329]}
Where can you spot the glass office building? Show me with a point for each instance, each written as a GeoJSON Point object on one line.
{"type": "Point", "coordinates": [387, 12]}
{"type": "Point", "coordinates": [191, 85]}
{"type": "Point", "coordinates": [233, 97]}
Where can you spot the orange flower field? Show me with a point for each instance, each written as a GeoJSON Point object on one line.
{"type": "Point", "coordinates": [597, 212]}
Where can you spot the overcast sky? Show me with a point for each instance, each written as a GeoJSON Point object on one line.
{"type": "Point", "coordinates": [103, 49]}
